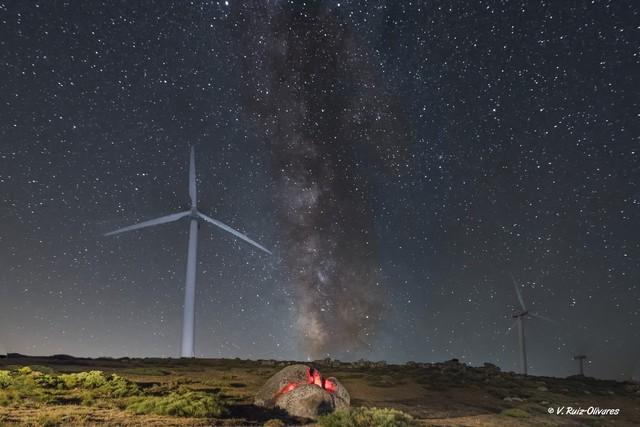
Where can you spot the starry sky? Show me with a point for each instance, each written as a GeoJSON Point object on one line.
{"type": "Point", "coordinates": [404, 161]}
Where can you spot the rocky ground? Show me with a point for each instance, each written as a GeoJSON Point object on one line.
{"type": "Point", "coordinates": [435, 394]}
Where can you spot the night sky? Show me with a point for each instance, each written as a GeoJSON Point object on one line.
{"type": "Point", "coordinates": [402, 160]}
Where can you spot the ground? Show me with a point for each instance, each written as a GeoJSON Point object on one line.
{"type": "Point", "coordinates": [440, 394]}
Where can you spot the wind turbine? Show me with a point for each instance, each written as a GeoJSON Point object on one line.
{"type": "Point", "coordinates": [195, 216]}
{"type": "Point", "coordinates": [580, 358]}
{"type": "Point", "coordinates": [520, 317]}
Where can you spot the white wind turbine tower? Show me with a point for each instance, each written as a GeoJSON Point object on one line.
{"type": "Point", "coordinates": [520, 317]}
{"type": "Point", "coordinates": [195, 216]}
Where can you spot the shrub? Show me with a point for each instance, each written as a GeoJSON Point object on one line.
{"type": "Point", "coordinates": [118, 386]}
{"type": "Point", "coordinates": [367, 417]}
{"type": "Point", "coordinates": [95, 381]}
{"type": "Point", "coordinates": [47, 381]}
{"type": "Point", "coordinates": [274, 423]}
{"type": "Point", "coordinates": [25, 370]}
{"type": "Point", "coordinates": [5, 379]}
{"type": "Point", "coordinates": [90, 379]}
{"type": "Point", "coordinates": [189, 404]}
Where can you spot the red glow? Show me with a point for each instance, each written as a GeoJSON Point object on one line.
{"type": "Point", "coordinates": [287, 388]}
{"type": "Point", "coordinates": [313, 377]}
{"type": "Point", "coordinates": [316, 378]}
{"type": "Point", "coordinates": [329, 386]}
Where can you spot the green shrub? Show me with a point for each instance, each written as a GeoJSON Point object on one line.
{"type": "Point", "coordinates": [47, 381]}
{"type": "Point", "coordinates": [190, 404]}
{"type": "Point", "coordinates": [25, 370]}
{"type": "Point", "coordinates": [90, 379]}
{"type": "Point", "coordinates": [367, 417]}
{"type": "Point", "coordinates": [118, 386]}
{"type": "Point", "coordinates": [5, 379]}
{"type": "Point", "coordinates": [107, 386]}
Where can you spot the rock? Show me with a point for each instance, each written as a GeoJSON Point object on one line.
{"type": "Point", "coordinates": [266, 396]}
{"type": "Point", "coordinates": [339, 392]}
{"type": "Point", "coordinates": [301, 391]}
{"type": "Point", "coordinates": [307, 400]}
{"type": "Point", "coordinates": [542, 388]}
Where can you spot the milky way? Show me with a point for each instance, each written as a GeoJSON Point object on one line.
{"type": "Point", "coordinates": [313, 92]}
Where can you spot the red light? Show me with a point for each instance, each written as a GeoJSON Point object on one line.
{"type": "Point", "coordinates": [329, 386]}
{"type": "Point", "coordinates": [313, 377]}
{"type": "Point", "coordinates": [287, 388]}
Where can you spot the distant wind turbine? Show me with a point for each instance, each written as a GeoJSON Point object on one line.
{"type": "Point", "coordinates": [580, 358]}
{"type": "Point", "coordinates": [520, 317]}
{"type": "Point", "coordinates": [194, 216]}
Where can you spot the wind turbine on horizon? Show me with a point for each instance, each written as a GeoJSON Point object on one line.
{"type": "Point", "coordinates": [520, 317]}
{"type": "Point", "coordinates": [195, 216]}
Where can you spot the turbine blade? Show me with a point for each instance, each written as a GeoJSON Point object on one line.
{"type": "Point", "coordinates": [151, 222]}
{"type": "Point", "coordinates": [225, 227]}
{"type": "Point", "coordinates": [539, 316]}
{"type": "Point", "coordinates": [192, 177]}
{"type": "Point", "coordinates": [515, 284]}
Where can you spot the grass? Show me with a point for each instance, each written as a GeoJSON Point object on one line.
{"type": "Point", "coordinates": [367, 417]}
{"type": "Point", "coordinates": [516, 413]}
{"type": "Point", "coordinates": [194, 404]}
{"type": "Point", "coordinates": [29, 388]}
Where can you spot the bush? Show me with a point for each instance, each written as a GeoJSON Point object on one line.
{"type": "Point", "coordinates": [274, 423]}
{"type": "Point", "coordinates": [367, 417]}
{"type": "Point", "coordinates": [108, 386]}
{"type": "Point", "coordinates": [189, 404]}
{"type": "Point", "coordinates": [47, 381]}
{"type": "Point", "coordinates": [25, 370]}
{"type": "Point", "coordinates": [90, 379]}
{"type": "Point", "coordinates": [117, 386]}
{"type": "Point", "coordinates": [5, 379]}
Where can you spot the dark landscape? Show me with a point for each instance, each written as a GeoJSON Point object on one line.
{"type": "Point", "coordinates": [434, 394]}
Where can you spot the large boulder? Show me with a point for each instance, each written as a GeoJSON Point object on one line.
{"type": "Point", "coordinates": [306, 400]}
{"type": "Point", "coordinates": [268, 393]}
{"type": "Point", "coordinates": [302, 392]}
{"type": "Point", "coordinates": [340, 394]}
